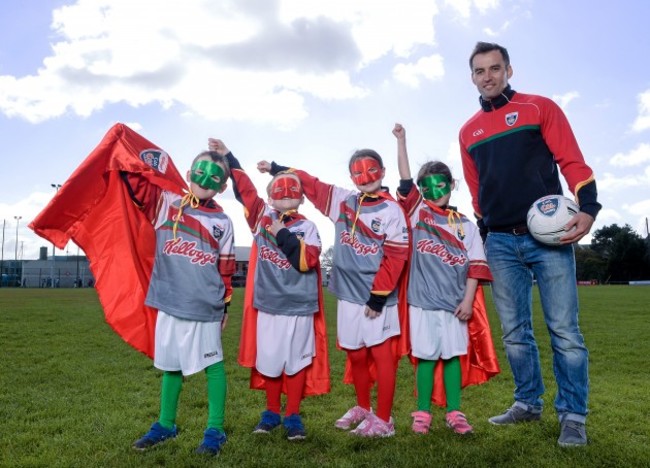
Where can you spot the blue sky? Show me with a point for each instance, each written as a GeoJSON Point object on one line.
{"type": "Point", "coordinates": [306, 83]}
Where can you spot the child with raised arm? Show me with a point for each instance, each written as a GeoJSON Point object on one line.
{"type": "Point", "coordinates": [191, 288]}
{"type": "Point", "coordinates": [447, 261]}
{"type": "Point", "coordinates": [290, 339]}
{"type": "Point", "coordinates": [370, 251]}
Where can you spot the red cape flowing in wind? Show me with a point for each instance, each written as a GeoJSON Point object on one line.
{"type": "Point", "coordinates": [94, 209]}
{"type": "Point", "coordinates": [317, 374]}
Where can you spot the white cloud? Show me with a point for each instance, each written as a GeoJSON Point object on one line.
{"type": "Point", "coordinates": [220, 60]}
{"type": "Point", "coordinates": [563, 100]}
{"type": "Point", "coordinates": [430, 68]}
{"type": "Point", "coordinates": [637, 156]}
{"type": "Point", "coordinates": [642, 121]}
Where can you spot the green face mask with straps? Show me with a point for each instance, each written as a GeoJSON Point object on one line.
{"type": "Point", "coordinates": [208, 175]}
{"type": "Point", "coordinates": [434, 186]}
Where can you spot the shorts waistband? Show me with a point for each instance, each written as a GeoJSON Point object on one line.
{"type": "Point", "coordinates": [517, 230]}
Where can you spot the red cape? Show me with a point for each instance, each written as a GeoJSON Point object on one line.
{"type": "Point", "coordinates": [318, 373]}
{"type": "Point", "coordinates": [480, 363]}
{"type": "Point", "coordinates": [94, 209]}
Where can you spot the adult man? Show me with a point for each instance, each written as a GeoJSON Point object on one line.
{"type": "Point", "coordinates": [511, 150]}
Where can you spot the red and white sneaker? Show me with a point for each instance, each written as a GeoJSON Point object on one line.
{"type": "Point", "coordinates": [458, 422]}
{"type": "Point", "coordinates": [352, 417]}
{"type": "Point", "coordinates": [373, 426]}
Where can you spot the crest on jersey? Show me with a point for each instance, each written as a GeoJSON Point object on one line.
{"type": "Point", "coordinates": [300, 234]}
{"type": "Point", "coordinates": [155, 159]}
{"type": "Point", "coordinates": [217, 232]}
{"type": "Point", "coordinates": [511, 118]}
{"type": "Point", "coordinates": [375, 225]}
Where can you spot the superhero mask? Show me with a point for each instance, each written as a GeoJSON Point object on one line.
{"type": "Point", "coordinates": [208, 175]}
{"type": "Point", "coordinates": [365, 171]}
{"type": "Point", "coordinates": [286, 187]}
{"type": "Point", "coordinates": [434, 186]}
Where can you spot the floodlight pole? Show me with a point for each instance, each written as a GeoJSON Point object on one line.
{"type": "Point", "coordinates": [56, 187]}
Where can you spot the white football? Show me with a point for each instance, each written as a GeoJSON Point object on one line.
{"type": "Point", "coordinates": [547, 217]}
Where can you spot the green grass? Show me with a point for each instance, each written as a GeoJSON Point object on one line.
{"type": "Point", "coordinates": [73, 394]}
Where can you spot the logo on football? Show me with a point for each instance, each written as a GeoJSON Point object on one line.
{"type": "Point", "coordinates": [547, 217]}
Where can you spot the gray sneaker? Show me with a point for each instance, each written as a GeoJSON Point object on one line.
{"type": "Point", "coordinates": [513, 415]}
{"type": "Point", "coordinates": [572, 434]}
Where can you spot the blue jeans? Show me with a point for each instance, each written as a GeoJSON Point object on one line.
{"type": "Point", "coordinates": [513, 261]}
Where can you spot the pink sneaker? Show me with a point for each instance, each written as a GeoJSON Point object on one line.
{"type": "Point", "coordinates": [458, 422]}
{"type": "Point", "coordinates": [421, 422]}
{"type": "Point", "coordinates": [352, 417]}
{"type": "Point", "coordinates": [373, 426]}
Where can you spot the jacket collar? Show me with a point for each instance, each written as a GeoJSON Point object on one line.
{"type": "Point", "coordinates": [499, 101]}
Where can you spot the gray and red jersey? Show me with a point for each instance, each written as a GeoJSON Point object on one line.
{"type": "Point", "coordinates": [370, 244]}
{"type": "Point", "coordinates": [192, 270]}
{"type": "Point", "coordinates": [288, 264]}
{"type": "Point", "coordinates": [446, 250]}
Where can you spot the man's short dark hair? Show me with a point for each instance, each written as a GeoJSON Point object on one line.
{"type": "Point", "coordinates": [485, 47]}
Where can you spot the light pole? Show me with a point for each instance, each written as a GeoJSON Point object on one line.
{"type": "Point", "coordinates": [17, 218]}
{"type": "Point", "coordinates": [56, 187]}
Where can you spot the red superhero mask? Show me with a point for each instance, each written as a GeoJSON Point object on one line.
{"type": "Point", "coordinates": [286, 187]}
{"type": "Point", "coordinates": [365, 171]}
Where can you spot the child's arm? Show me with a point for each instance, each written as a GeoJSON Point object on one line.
{"type": "Point", "coordinates": [466, 307]}
{"type": "Point", "coordinates": [407, 193]}
{"type": "Point", "coordinates": [402, 156]}
{"type": "Point", "coordinates": [226, 265]}
{"type": "Point", "coordinates": [143, 194]}
{"type": "Point", "coordinates": [242, 186]}
{"type": "Point", "coordinates": [303, 253]}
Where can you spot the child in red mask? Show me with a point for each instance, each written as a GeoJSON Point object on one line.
{"type": "Point", "coordinates": [285, 314]}
{"type": "Point", "coordinates": [370, 251]}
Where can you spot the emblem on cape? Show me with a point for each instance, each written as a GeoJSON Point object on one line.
{"type": "Point", "coordinates": [511, 118]}
{"type": "Point", "coordinates": [156, 159]}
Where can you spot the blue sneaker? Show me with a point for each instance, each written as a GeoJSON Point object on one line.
{"type": "Point", "coordinates": [294, 427]}
{"type": "Point", "coordinates": [213, 440]}
{"type": "Point", "coordinates": [269, 421]}
{"type": "Point", "coordinates": [156, 435]}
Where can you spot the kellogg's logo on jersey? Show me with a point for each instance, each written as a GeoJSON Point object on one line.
{"type": "Point", "coordinates": [268, 255]}
{"type": "Point", "coordinates": [188, 249]}
{"type": "Point", "coordinates": [156, 159]}
{"type": "Point", "coordinates": [429, 247]}
{"type": "Point", "coordinates": [358, 247]}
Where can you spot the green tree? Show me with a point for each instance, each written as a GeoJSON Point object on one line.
{"type": "Point", "coordinates": [624, 251]}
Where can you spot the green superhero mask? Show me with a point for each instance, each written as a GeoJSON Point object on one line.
{"type": "Point", "coordinates": [434, 186]}
{"type": "Point", "coordinates": [208, 175]}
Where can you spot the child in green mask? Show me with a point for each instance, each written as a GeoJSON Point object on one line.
{"type": "Point", "coordinates": [191, 289]}
{"type": "Point", "coordinates": [446, 264]}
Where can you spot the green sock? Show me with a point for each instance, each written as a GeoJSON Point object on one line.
{"type": "Point", "coordinates": [172, 382]}
{"type": "Point", "coordinates": [451, 371]}
{"type": "Point", "coordinates": [217, 387]}
{"type": "Point", "coordinates": [424, 383]}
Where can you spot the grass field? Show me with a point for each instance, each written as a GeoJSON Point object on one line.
{"type": "Point", "coordinates": [73, 394]}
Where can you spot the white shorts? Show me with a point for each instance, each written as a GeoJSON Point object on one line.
{"type": "Point", "coordinates": [284, 343]}
{"type": "Point", "coordinates": [186, 345]}
{"type": "Point", "coordinates": [354, 330]}
{"type": "Point", "coordinates": [436, 334]}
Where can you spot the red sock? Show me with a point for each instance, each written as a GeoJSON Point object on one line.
{"type": "Point", "coordinates": [360, 375]}
{"type": "Point", "coordinates": [295, 389]}
{"type": "Point", "coordinates": [382, 354]}
{"type": "Point", "coordinates": [273, 393]}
